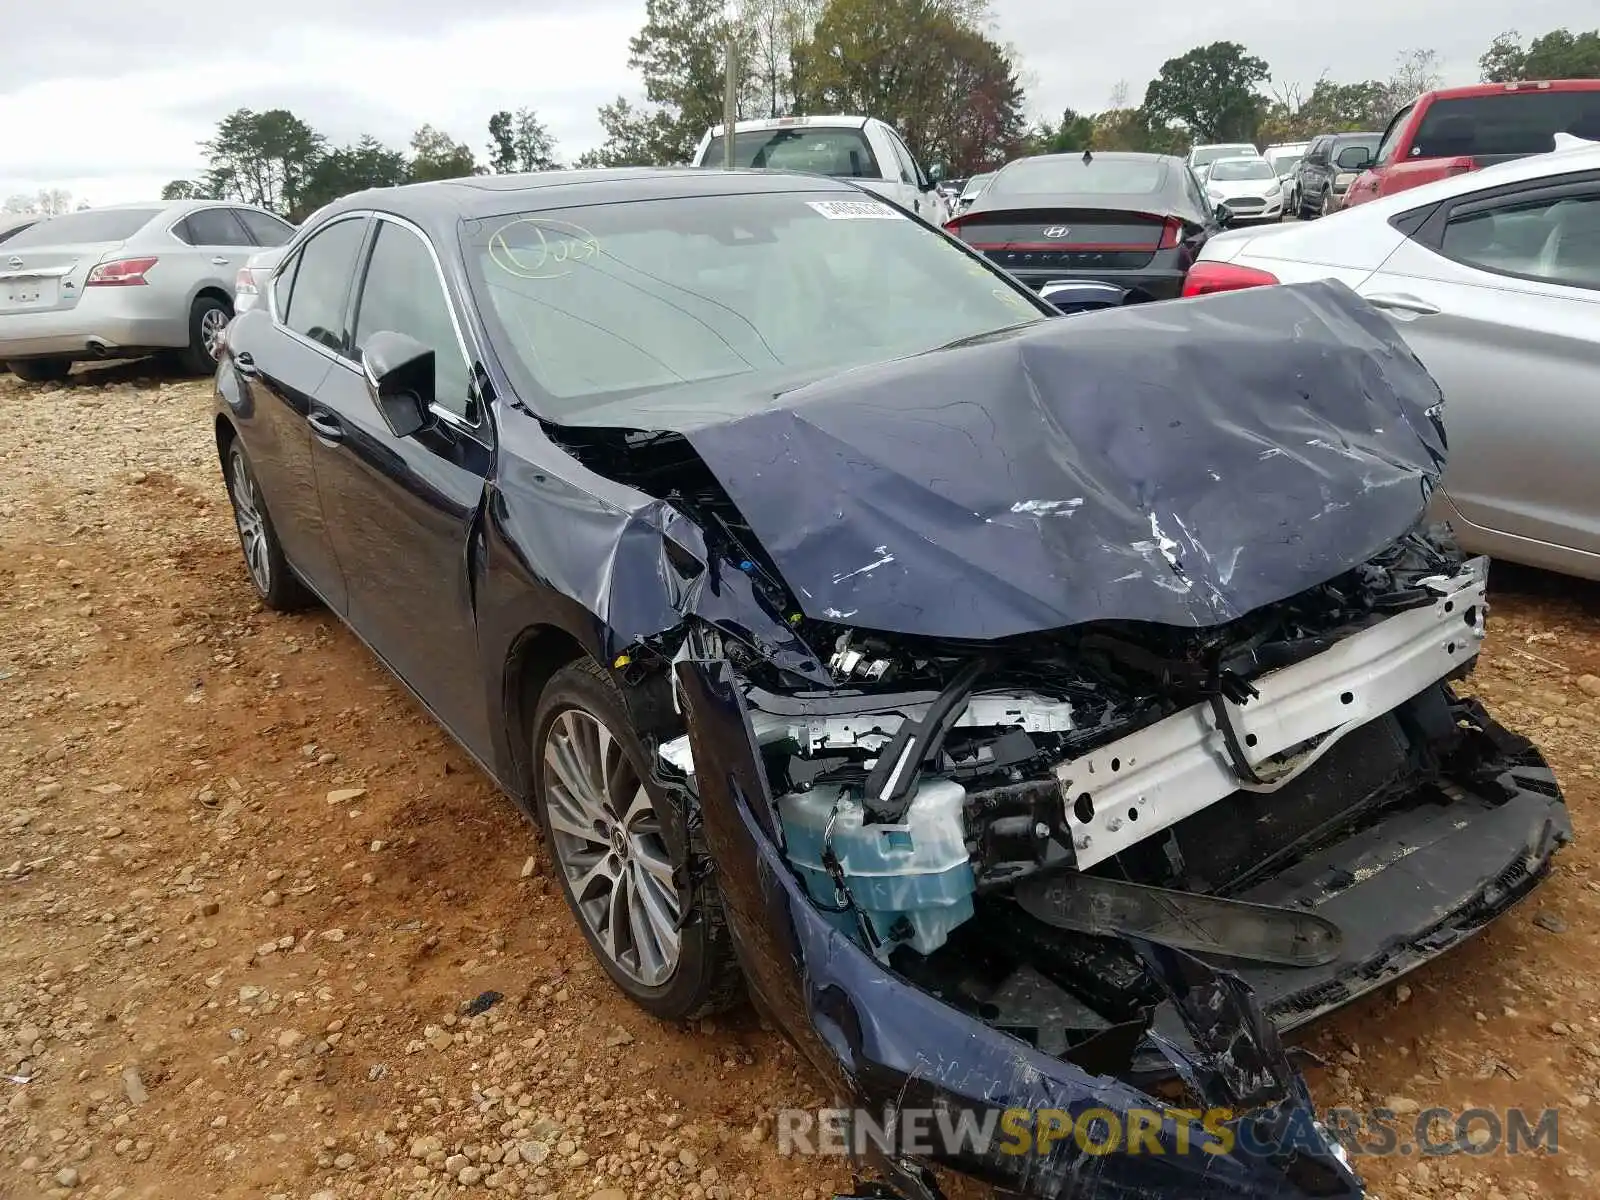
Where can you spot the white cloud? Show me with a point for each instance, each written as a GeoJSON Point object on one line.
{"type": "Point", "coordinates": [119, 138]}
{"type": "Point", "coordinates": [86, 121]}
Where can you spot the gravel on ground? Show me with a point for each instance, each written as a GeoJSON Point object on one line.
{"type": "Point", "coordinates": [248, 890]}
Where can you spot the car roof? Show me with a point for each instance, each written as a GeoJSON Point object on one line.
{"type": "Point", "coordinates": [820, 121]}
{"type": "Point", "coordinates": [439, 206]}
{"type": "Point", "coordinates": [1473, 90]}
{"type": "Point", "coordinates": [1101, 156]}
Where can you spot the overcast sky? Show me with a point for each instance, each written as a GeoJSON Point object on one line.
{"type": "Point", "coordinates": [108, 98]}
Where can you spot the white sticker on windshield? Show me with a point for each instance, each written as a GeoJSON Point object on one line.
{"type": "Point", "coordinates": [855, 210]}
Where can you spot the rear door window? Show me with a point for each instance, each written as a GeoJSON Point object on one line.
{"type": "Point", "coordinates": [318, 303]}
{"type": "Point", "coordinates": [1505, 123]}
{"type": "Point", "coordinates": [213, 227]}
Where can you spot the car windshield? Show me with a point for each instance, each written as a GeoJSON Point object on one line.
{"type": "Point", "coordinates": [976, 184]}
{"type": "Point", "coordinates": [839, 151]}
{"type": "Point", "coordinates": [1284, 163]}
{"type": "Point", "coordinates": [1226, 169]}
{"type": "Point", "coordinates": [91, 225]}
{"type": "Point", "coordinates": [1506, 123]}
{"type": "Point", "coordinates": [594, 304]}
{"type": "Point", "coordinates": [1206, 154]}
{"type": "Point", "coordinates": [1069, 174]}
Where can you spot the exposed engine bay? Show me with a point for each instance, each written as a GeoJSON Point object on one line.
{"type": "Point", "coordinates": [990, 821]}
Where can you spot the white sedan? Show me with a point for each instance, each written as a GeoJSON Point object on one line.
{"type": "Point", "coordinates": [1493, 279]}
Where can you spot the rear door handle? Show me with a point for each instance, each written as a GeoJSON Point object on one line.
{"type": "Point", "coordinates": [219, 261]}
{"type": "Point", "coordinates": [325, 426]}
{"type": "Point", "coordinates": [1403, 304]}
{"type": "Point", "coordinates": [245, 363]}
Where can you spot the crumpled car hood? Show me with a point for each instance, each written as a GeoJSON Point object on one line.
{"type": "Point", "coordinates": [1181, 463]}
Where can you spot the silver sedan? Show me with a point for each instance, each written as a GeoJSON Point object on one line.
{"type": "Point", "coordinates": [124, 281]}
{"type": "Point", "coordinates": [1493, 279]}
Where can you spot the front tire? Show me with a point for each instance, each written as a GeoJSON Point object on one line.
{"type": "Point", "coordinates": [269, 571]}
{"type": "Point", "coordinates": [40, 370]}
{"type": "Point", "coordinates": [208, 319]}
{"type": "Point", "coordinates": [600, 813]}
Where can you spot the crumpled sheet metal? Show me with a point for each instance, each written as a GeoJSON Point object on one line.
{"type": "Point", "coordinates": [1181, 463]}
{"type": "Point", "coordinates": [639, 565]}
{"type": "Point", "coordinates": [885, 1043]}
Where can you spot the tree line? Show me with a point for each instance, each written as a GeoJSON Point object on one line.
{"type": "Point", "coordinates": [932, 68]}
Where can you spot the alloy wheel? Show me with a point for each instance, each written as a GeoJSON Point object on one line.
{"type": "Point", "coordinates": [213, 326]}
{"type": "Point", "coordinates": [252, 525]}
{"type": "Point", "coordinates": [609, 848]}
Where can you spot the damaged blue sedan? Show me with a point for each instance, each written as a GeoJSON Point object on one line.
{"type": "Point", "coordinates": [1036, 716]}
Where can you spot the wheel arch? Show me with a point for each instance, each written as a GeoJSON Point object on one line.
{"type": "Point", "coordinates": [535, 655]}
{"type": "Point", "coordinates": [225, 435]}
{"type": "Point", "coordinates": [212, 292]}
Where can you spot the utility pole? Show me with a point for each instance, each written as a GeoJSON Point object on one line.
{"type": "Point", "coordinates": [730, 101]}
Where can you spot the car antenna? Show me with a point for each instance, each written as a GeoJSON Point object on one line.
{"type": "Point", "coordinates": [1088, 156]}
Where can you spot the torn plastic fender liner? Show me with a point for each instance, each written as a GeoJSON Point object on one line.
{"type": "Point", "coordinates": [883, 1043]}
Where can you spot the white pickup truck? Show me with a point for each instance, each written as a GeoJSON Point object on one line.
{"type": "Point", "coordinates": [863, 150]}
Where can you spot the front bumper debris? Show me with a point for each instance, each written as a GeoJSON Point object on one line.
{"type": "Point", "coordinates": [1136, 786]}
{"type": "Point", "coordinates": [888, 1045]}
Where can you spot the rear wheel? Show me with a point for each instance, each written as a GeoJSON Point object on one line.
{"type": "Point", "coordinates": [602, 819]}
{"type": "Point", "coordinates": [263, 556]}
{"type": "Point", "coordinates": [40, 370]}
{"type": "Point", "coordinates": [208, 319]}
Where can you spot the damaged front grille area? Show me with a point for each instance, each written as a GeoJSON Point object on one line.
{"type": "Point", "coordinates": [934, 772]}
{"type": "Point", "coordinates": [927, 802]}
{"type": "Point", "coordinates": [1020, 831]}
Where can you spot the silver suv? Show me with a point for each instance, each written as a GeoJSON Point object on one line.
{"type": "Point", "coordinates": [124, 281]}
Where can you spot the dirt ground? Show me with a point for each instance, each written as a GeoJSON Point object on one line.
{"type": "Point", "coordinates": [246, 888]}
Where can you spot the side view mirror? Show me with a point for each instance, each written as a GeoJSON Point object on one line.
{"type": "Point", "coordinates": [1354, 159]}
{"type": "Point", "coordinates": [1224, 215]}
{"type": "Point", "coordinates": [399, 371]}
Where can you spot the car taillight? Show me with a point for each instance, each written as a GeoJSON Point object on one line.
{"type": "Point", "coordinates": [1171, 234]}
{"type": "Point", "coordinates": [244, 283]}
{"type": "Point", "coordinates": [1204, 278]}
{"type": "Point", "coordinates": [121, 272]}
{"type": "Point", "coordinates": [953, 225]}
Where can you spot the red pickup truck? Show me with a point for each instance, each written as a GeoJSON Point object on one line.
{"type": "Point", "coordinates": [1446, 132]}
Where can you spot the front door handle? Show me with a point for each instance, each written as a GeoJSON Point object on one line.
{"type": "Point", "coordinates": [326, 427]}
{"type": "Point", "coordinates": [1398, 302]}
{"type": "Point", "coordinates": [219, 261]}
